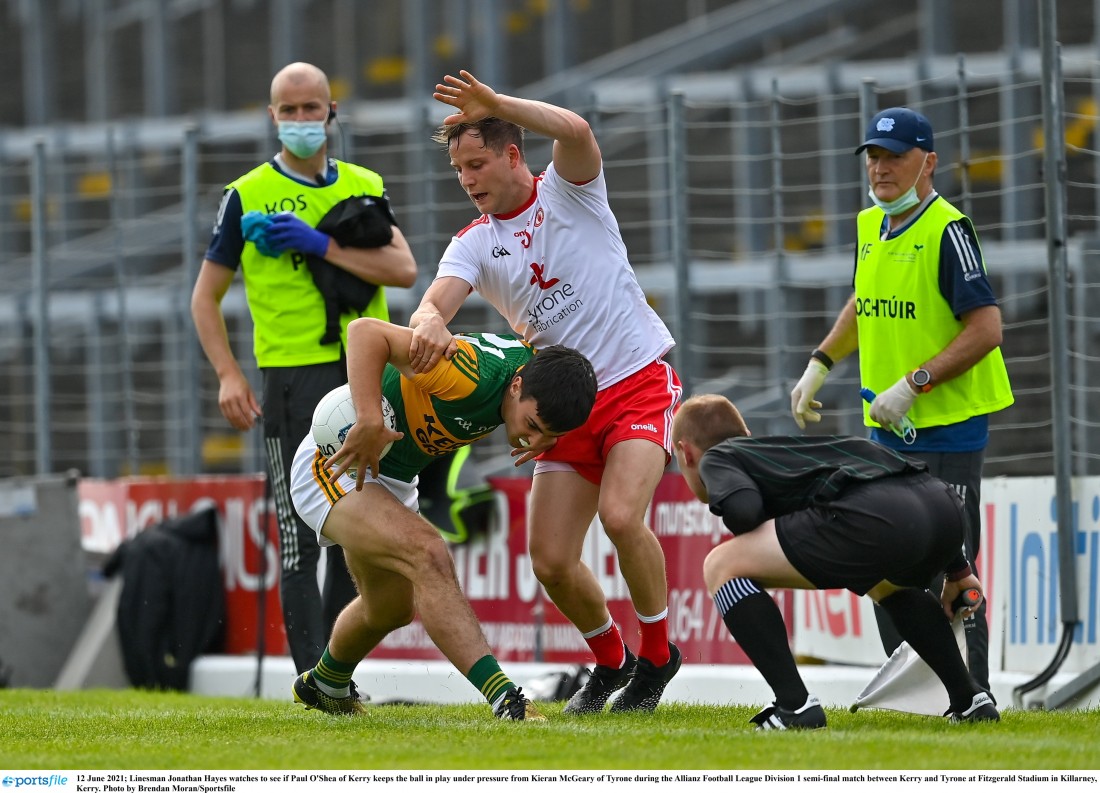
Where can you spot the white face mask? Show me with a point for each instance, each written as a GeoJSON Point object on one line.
{"type": "Point", "coordinates": [302, 138]}
{"type": "Point", "coordinates": [902, 203]}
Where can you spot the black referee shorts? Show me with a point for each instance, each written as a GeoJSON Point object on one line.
{"type": "Point", "coordinates": [902, 529]}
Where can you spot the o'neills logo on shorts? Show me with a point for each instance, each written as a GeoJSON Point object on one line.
{"type": "Point", "coordinates": [649, 427]}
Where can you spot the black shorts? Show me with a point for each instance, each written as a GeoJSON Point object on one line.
{"type": "Point", "coordinates": [902, 529]}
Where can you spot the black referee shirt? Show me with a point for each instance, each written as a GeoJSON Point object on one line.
{"type": "Point", "coordinates": [751, 480]}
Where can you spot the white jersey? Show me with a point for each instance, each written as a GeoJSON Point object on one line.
{"type": "Point", "coordinates": [557, 271]}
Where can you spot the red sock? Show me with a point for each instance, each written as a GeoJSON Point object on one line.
{"type": "Point", "coordinates": [655, 639]}
{"type": "Point", "coordinates": [608, 647]}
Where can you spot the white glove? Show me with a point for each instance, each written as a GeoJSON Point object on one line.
{"type": "Point", "coordinates": [803, 404]}
{"type": "Point", "coordinates": [890, 407]}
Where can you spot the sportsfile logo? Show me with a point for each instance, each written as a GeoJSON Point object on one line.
{"type": "Point", "coordinates": [28, 781]}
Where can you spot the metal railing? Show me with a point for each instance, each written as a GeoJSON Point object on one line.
{"type": "Point", "coordinates": [736, 196]}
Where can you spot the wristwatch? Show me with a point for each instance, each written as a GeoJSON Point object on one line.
{"type": "Point", "coordinates": [922, 380]}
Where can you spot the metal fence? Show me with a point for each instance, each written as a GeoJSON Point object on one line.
{"type": "Point", "coordinates": [736, 193]}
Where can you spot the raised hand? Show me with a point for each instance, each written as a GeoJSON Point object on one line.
{"type": "Point", "coordinates": [473, 100]}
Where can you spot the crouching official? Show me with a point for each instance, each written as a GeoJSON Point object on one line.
{"type": "Point", "coordinates": [826, 512]}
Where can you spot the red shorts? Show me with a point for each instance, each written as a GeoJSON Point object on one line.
{"type": "Point", "coordinates": [640, 406]}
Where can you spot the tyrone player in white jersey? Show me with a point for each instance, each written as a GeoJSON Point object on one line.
{"type": "Point", "coordinates": [548, 255]}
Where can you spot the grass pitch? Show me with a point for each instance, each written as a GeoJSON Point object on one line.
{"type": "Point", "coordinates": [119, 730]}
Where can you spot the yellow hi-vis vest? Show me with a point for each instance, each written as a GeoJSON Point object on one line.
{"type": "Point", "coordinates": [904, 321]}
{"type": "Point", "coordinates": [288, 311]}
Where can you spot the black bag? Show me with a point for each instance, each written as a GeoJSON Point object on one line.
{"type": "Point", "coordinates": [172, 606]}
{"type": "Point", "coordinates": [557, 686]}
{"type": "Point", "coordinates": [358, 222]}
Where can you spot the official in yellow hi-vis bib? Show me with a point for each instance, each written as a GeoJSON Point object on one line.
{"type": "Point", "coordinates": [266, 228]}
{"type": "Point", "coordinates": [400, 563]}
{"type": "Point", "coordinates": [928, 328]}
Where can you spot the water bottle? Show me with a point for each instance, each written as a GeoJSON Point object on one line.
{"type": "Point", "coordinates": [908, 433]}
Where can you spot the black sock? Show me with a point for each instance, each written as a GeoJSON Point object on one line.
{"type": "Point", "coordinates": [920, 620]}
{"type": "Point", "coordinates": [757, 624]}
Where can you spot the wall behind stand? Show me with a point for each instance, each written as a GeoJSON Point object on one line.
{"type": "Point", "coordinates": [44, 598]}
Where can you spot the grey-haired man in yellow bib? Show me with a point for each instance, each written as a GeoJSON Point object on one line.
{"type": "Point", "coordinates": [928, 328]}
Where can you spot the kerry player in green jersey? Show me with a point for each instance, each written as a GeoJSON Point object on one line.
{"type": "Point", "coordinates": [400, 563]}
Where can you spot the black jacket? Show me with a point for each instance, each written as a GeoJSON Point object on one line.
{"type": "Point", "coordinates": [357, 222]}
{"type": "Point", "coordinates": [172, 605]}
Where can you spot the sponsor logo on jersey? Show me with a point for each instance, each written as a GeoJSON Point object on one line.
{"type": "Point", "coordinates": [431, 437]}
{"type": "Point", "coordinates": [537, 278]}
{"type": "Point", "coordinates": [552, 307]}
{"type": "Point", "coordinates": [554, 301]}
{"type": "Point", "coordinates": [649, 427]}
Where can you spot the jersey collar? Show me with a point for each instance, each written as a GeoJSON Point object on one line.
{"type": "Point", "coordinates": [526, 204]}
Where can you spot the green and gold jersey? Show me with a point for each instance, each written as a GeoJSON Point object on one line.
{"type": "Point", "coordinates": [454, 404]}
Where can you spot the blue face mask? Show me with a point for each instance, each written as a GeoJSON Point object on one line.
{"type": "Point", "coordinates": [302, 138]}
{"type": "Point", "coordinates": [902, 203]}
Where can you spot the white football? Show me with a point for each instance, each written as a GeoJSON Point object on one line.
{"type": "Point", "coordinates": [335, 415]}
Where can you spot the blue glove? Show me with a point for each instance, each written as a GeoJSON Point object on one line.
{"type": "Point", "coordinates": [254, 228]}
{"type": "Point", "coordinates": [287, 232]}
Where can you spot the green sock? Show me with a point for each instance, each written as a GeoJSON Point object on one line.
{"type": "Point", "coordinates": [332, 676]}
{"type": "Point", "coordinates": [488, 679]}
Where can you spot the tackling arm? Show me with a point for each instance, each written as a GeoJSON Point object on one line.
{"type": "Point", "coordinates": [430, 339]}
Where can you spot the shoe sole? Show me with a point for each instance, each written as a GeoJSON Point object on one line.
{"type": "Point", "coordinates": [771, 720]}
{"type": "Point", "coordinates": [977, 716]}
{"type": "Point", "coordinates": [791, 728]}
